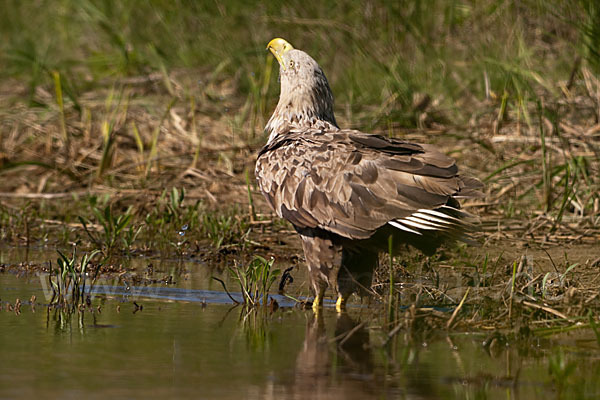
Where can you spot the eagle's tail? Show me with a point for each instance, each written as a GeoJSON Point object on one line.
{"type": "Point", "coordinates": [446, 222]}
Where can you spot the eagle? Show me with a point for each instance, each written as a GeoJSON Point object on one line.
{"type": "Point", "coordinates": [351, 195]}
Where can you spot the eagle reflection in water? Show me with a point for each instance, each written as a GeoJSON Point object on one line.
{"type": "Point", "coordinates": [342, 366]}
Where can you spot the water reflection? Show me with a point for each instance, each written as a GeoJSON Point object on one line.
{"type": "Point", "coordinates": [336, 368]}
{"type": "Point", "coordinates": [342, 365]}
{"type": "Point", "coordinates": [177, 346]}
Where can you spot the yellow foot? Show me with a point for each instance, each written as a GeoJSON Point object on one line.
{"type": "Point", "coordinates": [340, 304]}
{"type": "Point", "coordinates": [317, 303]}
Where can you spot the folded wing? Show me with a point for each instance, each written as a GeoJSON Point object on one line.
{"type": "Point", "coordinates": [351, 183]}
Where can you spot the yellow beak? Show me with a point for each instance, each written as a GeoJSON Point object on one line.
{"type": "Point", "coordinates": [279, 47]}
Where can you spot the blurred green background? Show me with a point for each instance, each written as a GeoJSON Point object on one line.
{"type": "Point", "coordinates": [381, 57]}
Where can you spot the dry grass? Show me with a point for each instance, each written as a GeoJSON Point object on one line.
{"type": "Point", "coordinates": [495, 86]}
{"type": "Point", "coordinates": [540, 162]}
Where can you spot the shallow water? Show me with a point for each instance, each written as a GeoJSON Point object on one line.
{"type": "Point", "coordinates": [178, 347]}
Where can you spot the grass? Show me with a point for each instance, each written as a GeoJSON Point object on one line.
{"type": "Point", "coordinates": [69, 280]}
{"type": "Point", "coordinates": [403, 50]}
{"type": "Point", "coordinates": [133, 129]}
{"type": "Point", "coordinates": [113, 228]}
{"type": "Point", "coordinates": [224, 229]}
{"type": "Point", "coordinates": [144, 98]}
{"type": "Point", "coordinates": [255, 280]}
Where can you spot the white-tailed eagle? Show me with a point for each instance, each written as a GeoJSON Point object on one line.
{"type": "Point", "coordinates": [347, 192]}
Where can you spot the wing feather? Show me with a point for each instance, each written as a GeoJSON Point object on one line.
{"type": "Point", "coordinates": [352, 184]}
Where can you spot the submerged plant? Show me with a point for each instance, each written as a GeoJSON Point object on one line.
{"type": "Point", "coordinates": [255, 279]}
{"type": "Point", "coordinates": [255, 325]}
{"type": "Point", "coordinates": [68, 280]}
{"type": "Point", "coordinates": [560, 370]}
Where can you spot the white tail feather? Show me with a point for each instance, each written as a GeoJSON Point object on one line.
{"type": "Point", "coordinates": [420, 225]}
{"type": "Point", "coordinates": [398, 225]}
{"type": "Point", "coordinates": [439, 214]}
{"type": "Point", "coordinates": [425, 222]}
{"type": "Point", "coordinates": [454, 223]}
{"type": "Point", "coordinates": [431, 218]}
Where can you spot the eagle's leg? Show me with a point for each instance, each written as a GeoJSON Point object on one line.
{"type": "Point", "coordinates": [322, 259]}
{"type": "Point", "coordinates": [355, 275]}
{"type": "Point", "coordinates": [318, 301]}
{"type": "Point", "coordinates": [340, 304]}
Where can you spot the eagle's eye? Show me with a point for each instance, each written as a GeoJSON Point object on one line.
{"type": "Point", "coordinates": [291, 64]}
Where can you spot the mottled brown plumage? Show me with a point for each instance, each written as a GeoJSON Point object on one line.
{"type": "Point", "coordinates": [346, 192]}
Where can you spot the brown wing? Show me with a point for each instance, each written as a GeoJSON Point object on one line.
{"type": "Point", "coordinates": [351, 183]}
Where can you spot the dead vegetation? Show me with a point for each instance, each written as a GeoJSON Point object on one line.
{"type": "Point", "coordinates": [160, 159]}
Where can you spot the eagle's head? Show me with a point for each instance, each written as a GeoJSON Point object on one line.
{"type": "Point", "coordinates": [306, 100]}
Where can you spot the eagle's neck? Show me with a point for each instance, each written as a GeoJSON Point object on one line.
{"type": "Point", "coordinates": [302, 106]}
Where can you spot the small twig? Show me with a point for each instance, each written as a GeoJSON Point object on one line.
{"type": "Point", "coordinates": [551, 260]}
{"type": "Point", "coordinates": [268, 222]}
{"type": "Point", "coordinates": [545, 308]}
{"type": "Point", "coordinates": [512, 290]}
{"type": "Point", "coordinates": [361, 286]}
{"type": "Point", "coordinates": [393, 333]}
{"type": "Point", "coordinates": [92, 237]}
{"type": "Point", "coordinates": [349, 334]}
{"type": "Point", "coordinates": [226, 291]}
{"type": "Point", "coordinates": [457, 309]}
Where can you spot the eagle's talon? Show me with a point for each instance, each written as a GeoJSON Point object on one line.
{"type": "Point", "coordinates": [317, 304]}
{"type": "Point", "coordinates": [340, 304]}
